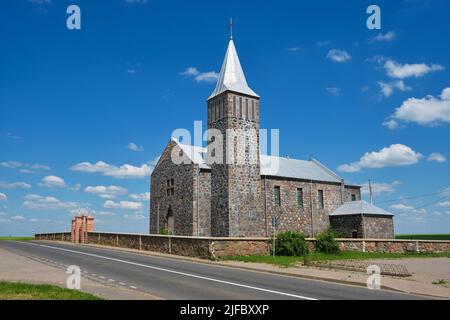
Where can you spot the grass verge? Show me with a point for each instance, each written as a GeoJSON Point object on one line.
{"type": "Point", "coordinates": [24, 291]}
{"type": "Point", "coordinates": [17, 238]}
{"type": "Point", "coordinates": [283, 261]}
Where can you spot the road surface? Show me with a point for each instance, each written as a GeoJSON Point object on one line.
{"type": "Point", "coordinates": [170, 278]}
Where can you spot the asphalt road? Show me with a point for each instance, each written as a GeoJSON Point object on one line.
{"type": "Point", "coordinates": [180, 279]}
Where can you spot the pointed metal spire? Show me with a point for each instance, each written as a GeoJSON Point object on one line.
{"type": "Point", "coordinates": [231, 75]}
{"type": "Point", "coordinates": [231, 28]}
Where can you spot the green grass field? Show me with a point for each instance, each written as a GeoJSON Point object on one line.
{"type": "Point", "coordinates": [17, 238]}
{"type": "Point", "coordinates": [284, 261]}
{"type": "Point", "coordinates": [24, 291]}
{"type": "Point", "coordinates": [423, 236]}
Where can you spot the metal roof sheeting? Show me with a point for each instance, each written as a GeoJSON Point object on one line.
{"type": "Point", "coordinates": [359, 207]}
{"type": "Point", "coordinates": [272, 165]}
{"type": "Point", "coordinates": [231, 75]}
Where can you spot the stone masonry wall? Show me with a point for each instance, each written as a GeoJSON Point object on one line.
{"type": "Point", "coordinates": [215, 247]}
{"type": "Point", "coordinates": [291, 216]}
{"type": "Point", "coordinates": [181, 203]}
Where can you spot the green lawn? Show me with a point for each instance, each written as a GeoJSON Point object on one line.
{"type": "Point", "coordinates": [423, 236]}
{"type": "Point", "coordinates": [17, 238]}
{"type": "Point", "coordinates": [283, 261]}
{"type": "Point", "coordinates": [23, 291]}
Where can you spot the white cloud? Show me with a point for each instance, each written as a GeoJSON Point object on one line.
{"type": "Point", "coordinates": [3, 197]}
{"type": "Point", "coordinates": [379, 187]}
{"type": "Point", "coordinates": [52, 182]}
{"type": "Point", "coordinates": [125, 171]}
{"type": "Point", "coordinates": [443, 204]}
{"type": "Point", "coordinates": [338, 55]}
{"type": "Point", "coordinates": [402, 71]}
{"type": "Point", "coordinates": [425, 111]}
{"type": "Point", "coordinates": [141, 196]}
{"type": "Point", "coordinates": [294, 49]}
{"type": "Point", "coordinates": [38, 202]}
{"type": "Point", "coordinates": [190, 71]}
{"type": "Point", "coordinates": [198, 76]}
{"type": "Point", "coordinates": [26, 168]}
{"type": "Point", "coordinates": [210, 76]}
{"type": "Point", "coordinates": [406, 208]}
{"type": "Point", "coordinates": [106, 192]}
{"type": "Point", "coordinates": [334, 91]}
{"type": "Point", "coordinates": [436, 156]}
{"type": "Point", "coordinates": [134, 216]}
{"type": "Point", "coordinates": [394, 155]}
{"type": "Point", "coordinates": [18, 218]}
{"type": "Point", "coordinates": [40, 1]}
{"type": "Point", "coordinates": [127, 205]}
{"type": "Point", "coordinates": [11, 164]}
{"type": "Point", "coordinates": [387, 89]}
{"type": "Point", "coordinates": [323, 43]}
{"type": "Point", "coordinates": [14, 185]}
{"type": "Point", "coordinates": [134, 147]}
{"type": "Point", "coordinates": [387, 37]}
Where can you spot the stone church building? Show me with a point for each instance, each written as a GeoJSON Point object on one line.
{"type": "Point", "coordinates": [251, 198]}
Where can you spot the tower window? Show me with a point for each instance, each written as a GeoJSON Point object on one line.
{"type": "Point", "coordinates": [225, 113]}
{"type": "Point", "coordinates": [300, 197]}
{"type": "Point", "coordinates": [277, 195]}
{"type": "Point", "coordinates": [220, 109]}
{"type": "Point", "coordinates": [353, 197]}
{"type": "Point", "coordinates": [217, 111]}
{"type": "Point", "coordinates": [234, 106]}
{"type": "Point", "coordinates": [240, 107]}
{"type": "Point", "coordinates": [253, 109]}
{"type": "Point", "coordinates": [320, 198]}
{"type": "Point", "coordinates": [209, 113]}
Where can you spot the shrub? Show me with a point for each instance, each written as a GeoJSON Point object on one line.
{"type": "Point", "coordinates": [326, 243]}
{"type": "Point", "coordinates": [291, 243]}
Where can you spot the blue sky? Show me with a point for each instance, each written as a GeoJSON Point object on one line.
{"type": "Point", "coordinates": [370, 104]}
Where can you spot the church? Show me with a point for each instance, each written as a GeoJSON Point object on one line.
{"type": "Point", "coordinates": [249, 198]}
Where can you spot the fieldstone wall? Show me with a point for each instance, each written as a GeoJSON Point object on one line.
{"type": "Point", "coordinates": [236, 210]}
{"type": "Point", "coordinates": [293, 217]}
{"type": "Point", "coordinates": [216, 247]}
{"type": "Point", "coordinates": [367, 226]}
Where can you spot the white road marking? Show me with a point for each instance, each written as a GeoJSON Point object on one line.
{"type": "Point", "coordinates": [133, 287]}
{"type": "Point", "coordinates": [122, 283]}
{"type": "Point", "coordinates": [111, 280]}
{"type": "Point", "coordinates": [102, 277]}
{"type": "Point", "coordinates": [175, 272]}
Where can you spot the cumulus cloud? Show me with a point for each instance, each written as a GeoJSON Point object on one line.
{"type": "Point", "coordinates": [394, 155]}
{"type": "Point", "coordinates": [402, 71]}
{"type": "Point", "coordinates": [323, 43]}
{"type": "Point", "coordinates": [11, 164]}
{"type": "Point", "coordinates": [127, 205]}
{"type": "Point", "coordinates": [443, 204]}
{"type": "Point", "coordinates": [379, 187]}
{"type": "Point", "coordinates": [338, 55]}
{"type": "Point", "coordinates": [14, 185]}
{"type": "Point", "coordinates": [106, 192]}
{"type": "Point", "coordinates": [437, 157]}
{"type": "Point", "coordinates": [125, 171]}
{"type": "Point", "coordinates": [141, 196]}
{"type": "Point", "coordinates": [52, 182]}
{"type": "Point", "coordinates": [3, 197]}
{"type": "Point", "coordinates": [387, 37]}
{"type": "Point", "coordinates": [134, 216]}
{"type": "Point", "coordinates": [134, 147]}
{"type": "Point", "coordinates": [192, 72]}
{"type": "Point", "coordinates": [18, 218]}
{"type": "Point", "coordinates": [38, 202]}
{"type": "Point", "coordinates": [387, 89]}
{"type": "Point", "coordinates": [425, 111]}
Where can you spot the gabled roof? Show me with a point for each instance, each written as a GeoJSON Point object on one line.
{"type": "Point", "coordinates": [231, 75]}
{"type": "Point", "coordinates": [272, 165]}
{"type": "Point", "coordinates": [358, 208]}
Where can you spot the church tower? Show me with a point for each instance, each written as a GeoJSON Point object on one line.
{"type": "Point", "coordinates": [233, 114]}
